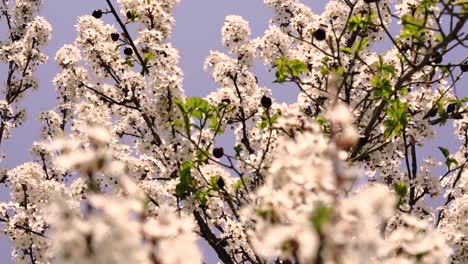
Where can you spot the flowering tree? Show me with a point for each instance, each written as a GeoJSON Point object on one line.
{"type": "Point", "coordinates": [130, 170]}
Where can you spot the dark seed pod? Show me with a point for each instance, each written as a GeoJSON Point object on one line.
{"type": "Point", "coordinates": [128, 51]}
{"type": "Point", "coordinates": [221, 183]}
{"type": "Point", "coordinates": [226, 101]}
{"type": "Point", "coordinates": [218, 152]}
{"type": "Point", "coordinates": [266, 101]}
{"type": "Point", "coordinates": [464, 66]}
{"type": "Point", "coordinates": [223, 243]}
{"type": "Point", "coordinates": [97, 13]}
{"type": "Point", "coordinates": [405, 47]}
{"type": "Point", "coordinates": [115, 36]}
{"type": "Point", "coordinates": [320, 34]}
{"type": "Point", "coordinates": [432, 112]}
{"type": "Point", "coordinates": [436, 57]}
{"type": "Point", "coordinates": [451, 108]}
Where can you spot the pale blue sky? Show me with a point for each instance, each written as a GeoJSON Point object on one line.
{"type": "Point", "coordinates": [197, 31]}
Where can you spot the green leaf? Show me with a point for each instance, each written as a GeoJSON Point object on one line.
{"type": "Point", "coordinates": [202, 155]}
{"type": "Point", "coordinates": [388, 68]}
{"type": "Point", "coordinates": [347, 50]}
{"type": "Point", "coordinates": [182, 190]}
{"type": "Point", "coordinates": [451, 161]}
{"type": "Point", "coordinates": [198, 104]}
{"type": "Point", "coordinates": [146, 203]}
{"type": "Point", "coordinates": [400, 189]}
{"type": "Point", "coordinates": [148, 56]}
{"type": "Point", "coordinates": [177, 123]}
{"type": "Point", "coordinates": [297, 67]}
{"type": "Point", "coordinates": [360, 45]}
{"type": "Point", "coordinates": [403, 91]}
{"type": "Point", "coordinates": [397, 118]}
{"type": "Point", "coordinates": [197, 114]}
{"type": "Point", "coordinates": [185, 172]}
{"type": "Point", "coordinates": [339, 71]}
{"type": "Point", "coordinates": [281, 69]}
{"type": "Point", "coordinates": [132, 15]}
{"type": "Point", "coordinates": [355, 22]}
{"type": "Point", "coordinates": [321, 120]}
{"type": "Point", "coordinates": [412, 27]}
{"type": "Point", "coordinates": [217, 183]}
{"type": "Point", "coordinates": [325, 70]}
{"type": "Point", "coordinates": [384, 70]}
{"type": "Point", "coordinates": [238, 149]}
{"type": "Point", "coordinates": [194, 107]}
{"type": "Point", "coordinates": [215, 125]}
{"type": "Point", "coordinates": [320, 216]}
{"type": "Point", "coordinates": [280, 78]}
{"type": "Point", "coordinates": [390, 126]}
{"type": "Point", "coordinates": [180, 105]}
{"type": "Point", "coordinates": [129, 61]}
{"type": "Point", "coordinates": [263, 124]}
{"type": "Point", "coordinates": [445, 152]}
{"type": "Point", "coordinates": [382, 87]}
{"type": "Point", "coordinates": [285, 67]}
{"type": "Point", "coordinates": [237, 185]}
{"type": "Point", "coordinates": [202, 196]}
{"type": "Point", "coordinates": [268, 215]}
{"type": "Point", "coordinates": [267, 120]}
{"type": "Point", "coordinates": [448, 160]}
{"type": "Point", "coordinates": [184, 187]}
{"type": "Point", "coordinates": [438, 38]}
{"type": "Point", "coordinates": [186, 119]}
{"type": "Point", "coordinates": [359, 21]}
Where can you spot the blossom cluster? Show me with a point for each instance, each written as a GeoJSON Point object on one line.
{"type": "Point", "coordinates": [130, 170]}
{"type": "Point", "coordinates": [27, 33]}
